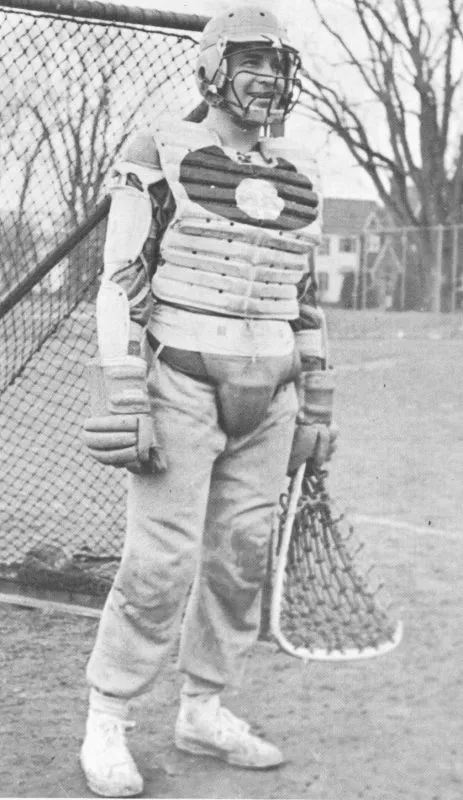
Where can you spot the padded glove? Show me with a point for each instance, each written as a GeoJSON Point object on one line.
{"type": "Point", "coordinates": [315, 434]}
{"type": "Point", "coordinates": [120, 430]}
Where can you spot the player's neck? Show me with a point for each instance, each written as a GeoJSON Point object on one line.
{"type": "Point", "coordinates": [232, 133]}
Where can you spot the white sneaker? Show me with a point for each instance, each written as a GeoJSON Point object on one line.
{"type": "Point", "coordinates": [105, 758]}
{"type": "Point", "coordinates": [203, 727]}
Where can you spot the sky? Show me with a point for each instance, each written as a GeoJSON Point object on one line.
{"type": "Point", "coordinates": [341, 177]}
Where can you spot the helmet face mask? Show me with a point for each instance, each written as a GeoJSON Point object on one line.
{"type": "Point", "coordinates": [273, 91]}
{"type": "Point", "coordinates": [227, 40]}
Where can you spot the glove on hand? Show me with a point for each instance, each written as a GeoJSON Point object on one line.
{"type": "Point", "coordinates": [315, 434]}
{"type": "Point", "coordinates": [120, 431]}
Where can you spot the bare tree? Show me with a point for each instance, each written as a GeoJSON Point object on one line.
{"type": "Point", "coordinates": [66, 120]}
{"type": "Point", "coordinates": [69, 116]}
{"type": "Point", "coordinates": [409, 69]}
{"type": "Point", "coordinates": [84, 120]}
{"type": "Point", "coordinates": [79, 151]}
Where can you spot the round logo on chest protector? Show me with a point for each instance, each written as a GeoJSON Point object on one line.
{"type": "Point", "coordinates": [259, 199]}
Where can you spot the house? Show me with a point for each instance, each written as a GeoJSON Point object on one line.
{"type": "Point", "coordinates": [337, 257]}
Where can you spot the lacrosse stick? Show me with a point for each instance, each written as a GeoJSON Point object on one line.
{"type": "Point", "coordinates": [322, 608]}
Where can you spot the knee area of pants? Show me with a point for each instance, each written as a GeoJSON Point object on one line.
{"type": "Point", "coordinates": [239, 597]}
{"type": "Point", "coordinates": [238, 561]}
{"type": "Point", "coordinates": [250, 550]}
{"type": "Point", "coordinates": [229, 582]}
{"type": "Point", "coordinates": [140, 585]}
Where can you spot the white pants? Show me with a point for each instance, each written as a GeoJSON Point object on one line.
{"type": "Point", "coordinates": [206, 521]}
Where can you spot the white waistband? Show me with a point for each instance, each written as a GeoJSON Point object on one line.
{"type": "Point", "coordinates": [208, 333]}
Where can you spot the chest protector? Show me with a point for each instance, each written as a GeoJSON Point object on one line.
{"type": "Point", "coordinates": [243, 227]}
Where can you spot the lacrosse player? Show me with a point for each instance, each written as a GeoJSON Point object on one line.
{"type": "Point", "coordinates": [208, 334]}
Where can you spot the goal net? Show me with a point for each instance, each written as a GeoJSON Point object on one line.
{"type": "Point", "coordinates": [77, 77]}
{"type": "Point", "coordinates": [75, 85]}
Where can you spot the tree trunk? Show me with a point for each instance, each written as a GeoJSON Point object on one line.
{"type": "Point", "coordinates": [430, 267]}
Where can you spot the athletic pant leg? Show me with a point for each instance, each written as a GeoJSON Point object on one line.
{"type": "Point", "coordinates": [223, 613]}
{"type": "Point", "coordinates": [165, 519]}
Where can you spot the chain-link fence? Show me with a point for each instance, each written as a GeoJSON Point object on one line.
{"type": "Point", "coordinates": [397, 267]}
{"type": "Point", "coordinates": [76, 77]}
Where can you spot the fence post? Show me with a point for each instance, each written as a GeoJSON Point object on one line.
{"type": "Point", "coordinates": [363, 304]}
{"type": "Point", "coordinates": [436, 301]}
{"type": "Point", "coordinates": [404, 269]}
{"type": "Point", "coordinates": [453, 276]}
{"type": "Point", "coordinates": [355, 289]}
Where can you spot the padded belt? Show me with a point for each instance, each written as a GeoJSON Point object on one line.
{"type": "Point", "coordinates": [245, 386]}
{"type": "Point", "coordinates": [188, 361]}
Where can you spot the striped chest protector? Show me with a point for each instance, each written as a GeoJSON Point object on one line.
{"type": "Point", "coordinates": [243, 226]}
{"type": "Point", "coordinates": [237, 246]}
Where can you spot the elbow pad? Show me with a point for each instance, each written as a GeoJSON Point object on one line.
{"type": "Point", "coordinates": [131, 211]}
{"type": "Point", "coordinates": [129, 223]}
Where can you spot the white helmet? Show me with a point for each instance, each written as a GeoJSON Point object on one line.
{"type": "Point", "coordinates": [246, 25]}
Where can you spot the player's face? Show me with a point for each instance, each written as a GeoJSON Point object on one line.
{"type": "Point", "coordinates": [256, 83]}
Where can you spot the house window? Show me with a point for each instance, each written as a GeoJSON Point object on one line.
{"type": "Point", "coordinates": [324, 246]}
{"type": "Point", "coordinates": [373, 243]}
{"type": "Point", "coordinates": [348, 244]}
{"type": "Point", "coordinates": [323, 280]}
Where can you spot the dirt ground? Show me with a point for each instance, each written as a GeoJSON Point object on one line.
{"type": "Point", "coordinates": [381, 729]}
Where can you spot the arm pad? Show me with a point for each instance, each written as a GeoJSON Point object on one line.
{"type": "Point", "coordinates": [315, 391]}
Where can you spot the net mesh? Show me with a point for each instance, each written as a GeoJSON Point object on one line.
{"type": "Point", "coordinates": [75, 87]}
{"type": "Point", "coordinates": [74, 91]}
{"type": "Point", "coordinates": [325, 602]}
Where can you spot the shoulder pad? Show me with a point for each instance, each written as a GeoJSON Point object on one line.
{"type": "Point", "coordinates": [176, 132]}
{"type": "Point", "coordinates": [140, 157]}
{"type": "Point", "coordinates": [141, 149]}
{"type": "Point", "coordinates": [293, 151]}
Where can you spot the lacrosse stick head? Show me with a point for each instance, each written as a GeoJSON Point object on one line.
{"type": "Point", "coordinates": [323, 604]}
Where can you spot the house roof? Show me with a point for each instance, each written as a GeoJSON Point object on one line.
{"type": "Point", "coordinates": [349, 217]}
